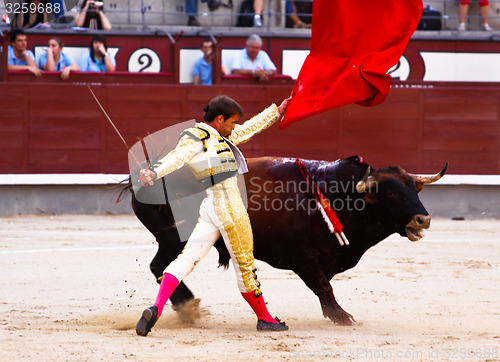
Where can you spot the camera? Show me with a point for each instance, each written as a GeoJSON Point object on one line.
{"type": "Point", "coordinates": [98, 3]}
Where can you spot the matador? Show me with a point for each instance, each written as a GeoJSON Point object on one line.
{"type": "Point", "coordinates": [209, 149]}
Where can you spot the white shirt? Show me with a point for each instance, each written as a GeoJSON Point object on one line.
{"type": "Point", "coordinates": [242, 61]}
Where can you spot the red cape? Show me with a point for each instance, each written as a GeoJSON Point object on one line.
{"type": "Point", "coordinates": [353, 46]}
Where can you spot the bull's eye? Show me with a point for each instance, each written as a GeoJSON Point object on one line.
{"type": "Point", "coordinates": [391, 194]}
{"type": "Point", "coordinates": [395, 196]}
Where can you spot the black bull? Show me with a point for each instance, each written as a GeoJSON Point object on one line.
{"type": "Point", "coordinates": [289, 231]}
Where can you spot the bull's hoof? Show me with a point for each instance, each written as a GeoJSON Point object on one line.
{"type": "Point", "coordinates": [189, 312]}
{"type": "Point", "coordinates": [147, 321]}
{"type": "Point", "coordinates": [267, 326]}
{"type": "Point", "coordinates": [346, 320]}
{"type": "Point", "coordinates": [342, 318]}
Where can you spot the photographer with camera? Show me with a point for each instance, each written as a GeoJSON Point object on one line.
{"type": "Point", "coordinates": [92, 16]}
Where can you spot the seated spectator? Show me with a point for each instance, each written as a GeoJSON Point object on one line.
{"type": "Point", "coordinates": [258, 5]}
{"type": "Point", "coordinates": [253, 61]}
{"type": "Point", "coordinates": [19, 57]}
{"type": "Point", "coordinates": [34, 17]}
{"type": "Point", "coordinates": [202, 70]}
{"type": "Point", "coordinates": [291, 13]}
{"type": "Point", "coordinates": [92, 16]}
{"type": "Point", "coordinates": [57, 61]}
{"type": "Point", "coordinates": [98, 59]}
{"type": "Point", "coordinates": [463, 9]}
{"type": "Point", "coordinates": [250, 14]}
{"type": "Point", "coordinates": [192, 9]}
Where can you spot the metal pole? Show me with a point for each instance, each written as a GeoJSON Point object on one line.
{"type": "Point", "coordinates": [268, 25]}
{"type": "Point", "coordinates": [143, 11]}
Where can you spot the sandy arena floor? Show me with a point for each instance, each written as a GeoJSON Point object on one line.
{"type": "Point", "coordinates": [73, 288]}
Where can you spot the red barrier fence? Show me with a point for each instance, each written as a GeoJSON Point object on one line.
{"type": "Point", "coordinates": [58, 128]}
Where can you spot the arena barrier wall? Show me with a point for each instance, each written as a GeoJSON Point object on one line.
{"type": "Point", "coordinates": [454, 196]}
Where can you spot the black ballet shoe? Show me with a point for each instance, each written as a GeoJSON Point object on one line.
{"type": "Point", "coordinates": [268, 326]}
{"type": "Point", "coordinates": [147, 321]}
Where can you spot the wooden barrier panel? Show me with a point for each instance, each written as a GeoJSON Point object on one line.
{"type": "Point", "coordinates": [276, 79]}
{"type": "Point", "coordinates": [92, 77]}
{"type": "Point", "coordinates": [59, 128]}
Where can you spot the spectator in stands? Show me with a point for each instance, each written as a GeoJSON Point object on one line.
{"type": "Point", "coordinates": [54, 60]}
{"type": "Point", "coordinates": [92, 16]}
{"type": "Point", "coordinates": [19, 57]}
{"type": "Point", "coordinates": [36, 16]}
{"type": "Point", "coordinates": [98, 59]}
{"type": "Point", "coordinates": [253, 61]}
{"type": "Point", "coordinates": [463, 9]}
{"type": "Point", "coordinates": [250, 13]}
{"type": "Point", "coordinates": [192, 9]}
{"type": "Point", "coordinates": [258, 5]}
{"type": "Point", "coordinates": [202, 70]}
{"type": "Point", "coordinates": [291, 12]}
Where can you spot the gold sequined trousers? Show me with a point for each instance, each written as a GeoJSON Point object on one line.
{"type": "Point", "coordinates": [222, 212]}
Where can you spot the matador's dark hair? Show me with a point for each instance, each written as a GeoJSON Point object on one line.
{"type": "Point", "coordinates": [221, 105]}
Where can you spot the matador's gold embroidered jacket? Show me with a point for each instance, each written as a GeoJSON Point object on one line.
{"type": "Point", "coordinates": [211, 157]}
{"type": "Point", "coordinates": [214, 161]}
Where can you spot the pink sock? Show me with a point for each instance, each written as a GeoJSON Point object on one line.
{"type": "Point", "coordinates": [259, 306]}
{"type": "Point", "coordinates": [167, 287]}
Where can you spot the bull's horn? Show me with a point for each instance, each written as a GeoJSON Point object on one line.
{"type": "Point", "coordinates": [429, 179]}
{"type": "Point", "coordinates": [365, 182]}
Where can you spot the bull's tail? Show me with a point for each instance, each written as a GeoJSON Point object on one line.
{"type": "Point", "coordinates": [224, 256]}
{"type": "Point", "coordinates": [126, 186]}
